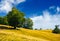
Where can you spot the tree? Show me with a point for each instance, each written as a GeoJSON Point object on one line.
{"type": "Point", "coordinates": [56, 30]}
{"type": "Point", "coordinates": [28, 23]}
{"type": "Point", "coordinates": [3, 20]}
{"type": "Point", "coordinates": [36, 29]}
{"type": "Point", "coordinates": [40, 28]}
{"type": "Point", "coordinates": [15, 17]}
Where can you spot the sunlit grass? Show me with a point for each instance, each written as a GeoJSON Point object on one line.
{"type": "Point", "coordinates": [28, 35]}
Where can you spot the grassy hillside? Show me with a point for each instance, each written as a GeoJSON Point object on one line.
{"type": "Point", "coordinates": [27, 35]}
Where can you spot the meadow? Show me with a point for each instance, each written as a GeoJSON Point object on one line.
{"type": "Point", "coordinates": [22, 34]}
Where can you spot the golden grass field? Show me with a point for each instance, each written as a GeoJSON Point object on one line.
{"type": "Point", "coordinates": [27, 35]}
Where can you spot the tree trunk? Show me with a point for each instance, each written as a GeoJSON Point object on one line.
{"type": "Point", "coordinates": [14, 27]}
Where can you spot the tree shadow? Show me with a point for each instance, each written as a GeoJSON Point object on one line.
{"type": "Point", "coordinates": [11, 28]}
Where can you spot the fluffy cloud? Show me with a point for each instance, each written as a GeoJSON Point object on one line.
{"type": "Point", "coordinates": [58, 9]}
{"type": "Point", "coordinates": [6, 5]}
{"type": "Point", "coordinates": [46, 21]}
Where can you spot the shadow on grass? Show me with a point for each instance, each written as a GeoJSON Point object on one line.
{"type": "Point", "coordinates": [3, 27]}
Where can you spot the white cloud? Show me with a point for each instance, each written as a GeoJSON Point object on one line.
{"type": "Point", "coordinates": [52, 7]}
{"type": "Point", "coordinates": [46, 21]}
{"type": "Point", "coordinates": [58, 9]}
{"type": "Point", "coordinates": [6, 5]}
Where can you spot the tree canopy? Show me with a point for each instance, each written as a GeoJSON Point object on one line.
{"type": "Point", "coordinates": [56, 30]}
{"type": "Point", "coordinates": [28, 23]}
{"type": "Point", "coordinates": [3, 20]}
{"type": "Point", "coordinates": [16, 18]}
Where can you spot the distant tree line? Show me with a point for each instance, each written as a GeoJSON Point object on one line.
{"type": "Point", "coordinates": [16, 18]}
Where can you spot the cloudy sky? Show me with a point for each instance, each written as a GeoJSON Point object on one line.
{"type": "Point", "coordinates": [44, 13]}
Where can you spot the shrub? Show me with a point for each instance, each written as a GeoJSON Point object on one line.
{"type": "Point", "coordinates": [56, 30]}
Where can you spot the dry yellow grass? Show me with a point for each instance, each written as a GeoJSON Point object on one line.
{"type": "Point", "coordinates": [27, 35]}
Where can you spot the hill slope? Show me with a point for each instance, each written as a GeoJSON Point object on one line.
{"type": "Point", "coordinates": [27, 35]}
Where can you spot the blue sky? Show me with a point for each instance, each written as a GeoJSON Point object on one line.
{"type": "Point", "coordinates": [44, 13]}
{"type": "Point", "coordinates": [31, 7]}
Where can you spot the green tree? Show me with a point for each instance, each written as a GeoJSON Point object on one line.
{"type": "Point", "coordinates": [36, 29]}
{"type": "Point", "coordinates": [15, 18]}
{"type": "Point", "coordinates": [56, 30]}
{"type": "Point", "coordinates": [3, 20]}
{"type": "Point", "coordinates": [28, 23]}
{"type": "Point", "coordinates": [40, 28]}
